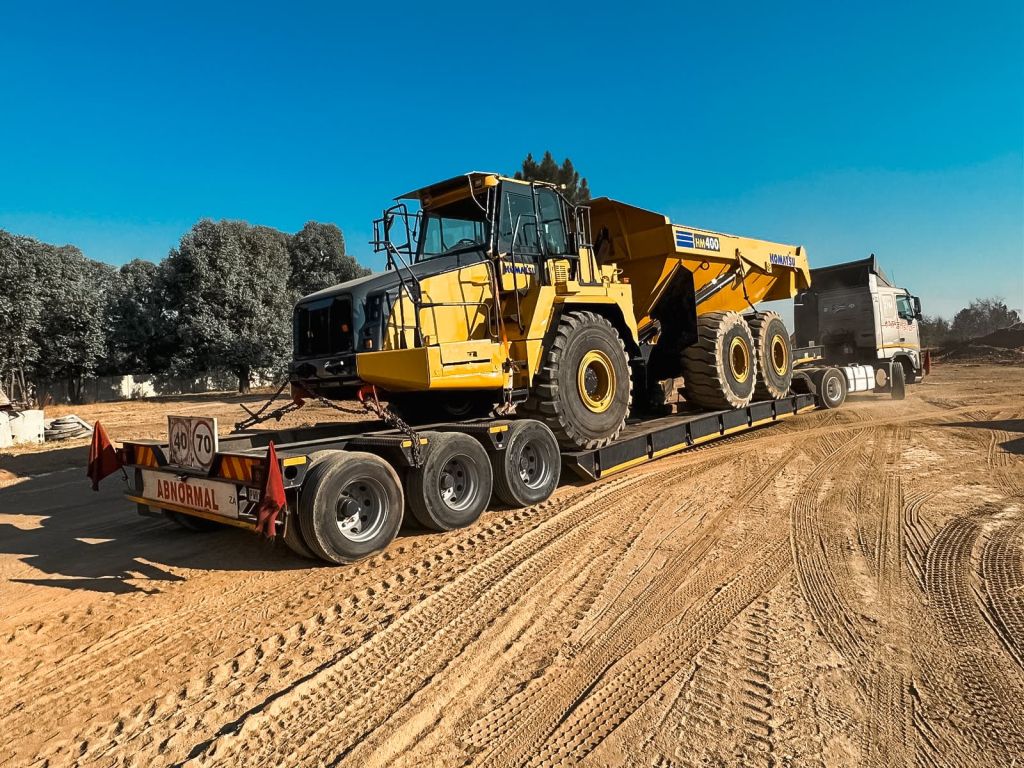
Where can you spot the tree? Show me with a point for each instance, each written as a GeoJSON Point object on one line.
{"type": "Point", "coordinates": [934, 331]}
{"type": "Point", "coordinates": [226, 299]}
{"type": "Point", "coordinates": [136, 342]}
{"type": "Point", "coordinates": [575, 188]}
{"type": "Point", "coordinates": [20, 306]}
{"type": "Point", "coordinates": [982, 317]}
{"type": "Point", "coordinates": [318, 259]}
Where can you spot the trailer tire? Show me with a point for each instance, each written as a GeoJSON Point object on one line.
{"type": "Point", "coordinates": [583, 390]}
{"type": "Point", "coordinates": [720, 368]}
{"type": "Point", "coordinates": [899, 381]}
{"type": "Point", "coordinates": [293, 537]}
{"type": "Point", "coordinates": [528, 470]}
{"type": "Point", "coordinates": [774, 355]}
{"type": "Point", "coordinates": [453, 486]}
{"type": "Point", "coordinates": [191, 523]}
{"type": "Point", "coordinates": [830, 387]}
{"type": "Point", "coordinates": [337, 490]}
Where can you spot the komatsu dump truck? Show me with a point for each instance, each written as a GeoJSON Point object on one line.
{"type": "Point", "coordinates": [513, 335]}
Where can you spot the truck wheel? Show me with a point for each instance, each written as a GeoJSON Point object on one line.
{"type": "Point", "coordinates": [454, 484]}
{"type": "Point", "coordinates": [350, 506]}
{"type": "Point", "coordinates": [293, 537]}
{"type": "Point", "coordinates": [774, 355]}
{"type": "Point", "coordinates": [190, 523]}
{"type": "Point", "coordinates": [528, 470]}
{"type": "Point", "coordinates": [830, 384]}
{"type": "Point", "coordinates": [899, 381]}
{"type": "Point", "coordinates": [432, 407]}
{"type": "Point", "coordinates": [583, 390]}
{"type": "Point", "coordinates": [720, 368]}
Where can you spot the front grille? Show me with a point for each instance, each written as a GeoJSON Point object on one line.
{"type": "Point", "coordinates": [324, 328]}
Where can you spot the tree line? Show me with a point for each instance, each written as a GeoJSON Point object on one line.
{"type": "Point", "coordinates": [981, 317]}
{"type": "Point", "coordinates": [221, 301]}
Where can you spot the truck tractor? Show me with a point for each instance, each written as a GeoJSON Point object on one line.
{"type": "Point", "coordinates": [853, 319]}
{"type": "Point", "coordinates": [501, 295]}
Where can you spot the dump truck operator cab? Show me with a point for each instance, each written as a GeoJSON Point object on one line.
{"type": "Point", "coordinates": [471, 282]}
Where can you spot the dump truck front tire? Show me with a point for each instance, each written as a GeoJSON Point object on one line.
{"type": "Point", "coordinates": [350, 506]}
{"type": "Point", "coordinates": [774, 355]}
{"type": "Point", "coordinates": [583, 390]}
{"type": "Point", "coordinates": [453, 486]}
{"type": "Point", "coordinates": [899, 381]}
{"type": "Point", "coordinates": [528, 470]}
{"type": "Point", "coordinates": [720, 368]}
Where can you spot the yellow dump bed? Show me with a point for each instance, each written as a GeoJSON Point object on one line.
{"type": "Point", "coordinates": [649, 249]}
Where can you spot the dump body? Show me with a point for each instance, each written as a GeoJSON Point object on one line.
{"type": "Point", "coordinates": [729, 272]}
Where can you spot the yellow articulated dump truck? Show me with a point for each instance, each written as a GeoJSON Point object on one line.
{"type": "Point", "coordinates": [513, 334]}
{"type": "Point", "coordinates": [501, 294]}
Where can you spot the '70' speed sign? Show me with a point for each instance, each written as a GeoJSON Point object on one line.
{"type": "Point", "coordinates": [192, 441]}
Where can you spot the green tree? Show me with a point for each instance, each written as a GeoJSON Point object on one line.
{"type": "Point", "coordinates": [318, 259]}
{"type": "Point", "coordinates": [135, 339]}
{"type": "Point", "coordinates": [20, 307]}
{"type": "Point", "coordinates": [934, 331]}
{"type": "Point", "coordinates": [575, 188]}
{"type": "Point", "coordinates": [981, 317]}
{"type": "Point", "coordinates": [226, 299]}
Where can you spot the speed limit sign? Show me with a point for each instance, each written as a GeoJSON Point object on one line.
{"type": "Point", "coordinates": [192, 441]}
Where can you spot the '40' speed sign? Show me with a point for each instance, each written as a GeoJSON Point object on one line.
{"type": "Point", "coordinates": [192, 441]}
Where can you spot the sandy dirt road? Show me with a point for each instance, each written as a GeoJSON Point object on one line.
{"type": "Point", "coordinates": [846, 588]}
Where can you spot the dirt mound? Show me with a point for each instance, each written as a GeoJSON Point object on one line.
{"type": "Point", "coordinates": [1005, 346]}
{"type": "Point", "coordinates": [1006, 338]}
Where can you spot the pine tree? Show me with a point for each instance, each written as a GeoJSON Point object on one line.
{"type": "Point", "coordinates": [575, 188]}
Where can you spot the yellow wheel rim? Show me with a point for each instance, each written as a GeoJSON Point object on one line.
{"type": "Point", "coordinates": [596, 381]}
{"type": "Point", "coordinates": [780, 360]}
{"type": "Point", "coordinates": [739, 360]}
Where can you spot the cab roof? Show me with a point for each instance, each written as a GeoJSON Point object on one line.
{"type": "Point", "coordinates": [475, 180]}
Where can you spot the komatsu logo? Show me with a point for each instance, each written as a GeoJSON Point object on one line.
{"type": "Point", "coordinates": [518, 269]}
{"type": "Point", "coordinates": [782, 260]}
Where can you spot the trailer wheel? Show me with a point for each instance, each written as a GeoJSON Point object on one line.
{"type": "Point", "coordinates": [528, 470]}
{"type": "Point", "coordinates": [830, 385]}
{"type": "Point", "coordinates": [454, 484]}
{"type": "Point", "coordinates": [190, 523]}
{"type": "Point", "coordinates": [774, 355]}
{"type": "Point", "coordinates": [293, 537]}
{"type": "Point", "coordinates": [720, 368]}
{"type": "Point", "coordinates": [350, 506]}
{"type": "Point", "coordinates": [899, 381]}
{"type": "Point", "coordinates": [583, 390]}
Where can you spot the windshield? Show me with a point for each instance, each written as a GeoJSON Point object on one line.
{"type": "Point", "coordinates": [445, 234]}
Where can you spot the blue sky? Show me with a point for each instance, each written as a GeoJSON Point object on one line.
{"type": "Point", "coordinates": [890, 128]}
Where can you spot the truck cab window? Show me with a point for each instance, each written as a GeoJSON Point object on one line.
{"type": "Point", "coordinates": [517, 209]}
{"type": "Point", "coordinates": [552, 227]}
{"type": "Point", "coordinates": [443, 234]}
{"type": "Point", "coordinates": [904, 308]}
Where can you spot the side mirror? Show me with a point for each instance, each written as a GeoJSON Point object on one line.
{"type": "Point", "coordinates": [917, 307]}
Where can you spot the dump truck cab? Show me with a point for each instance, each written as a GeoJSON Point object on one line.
{"type": "Point", "coordinates": [474, 279]}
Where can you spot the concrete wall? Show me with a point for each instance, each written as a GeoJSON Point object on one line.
{"type": "Point", "coordinates": [110, 388]}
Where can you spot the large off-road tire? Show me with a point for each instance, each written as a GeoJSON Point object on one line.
{"type": "Point", "coordinates": [418, 408]}
{"type": "Point", "coordinates": [774, 355]}
{"type": "Point", "coordinates": [454, 484]}
{"type": "Point", "coordinates": [350, 506]}
{"type": "Point", "coordinates": [720, 368]}
{"type": "Point", "coordinates": [583, 390]}
{"type": "Point", "coordinates": [528, 470]}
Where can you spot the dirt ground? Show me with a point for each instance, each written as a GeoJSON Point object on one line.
{"type": "Point", "coordinates": [845, 588]}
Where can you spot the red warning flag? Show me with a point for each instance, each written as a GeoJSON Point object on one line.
{"type": "Point", "coordinates": [104, 459]}
{"type": "Point", "coordinates": [272, 499]}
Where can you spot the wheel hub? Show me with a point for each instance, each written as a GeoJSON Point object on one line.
{"type": "Point", "coordinates": [456, 484]}
{"type": "Point", "coordinates": [596, 381]}
{"type": "Point", "coordinates": [361, 510]}
{"type": "Point", "coordinates": [739, 360]}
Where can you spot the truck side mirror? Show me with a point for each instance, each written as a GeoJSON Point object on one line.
{"type": "Point", "coordinates": [917, 307]}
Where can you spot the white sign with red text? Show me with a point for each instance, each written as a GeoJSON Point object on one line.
{"type": "Point", "coordinates": [211, 496]}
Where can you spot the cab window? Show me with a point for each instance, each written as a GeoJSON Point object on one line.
{"type": "Point", "coordinates": [903, 308]}
{"type": "Point", "coordinates": [552, 227]}
{"type": "Point", "coordinates": [519, 219]}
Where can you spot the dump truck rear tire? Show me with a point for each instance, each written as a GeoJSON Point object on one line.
{"type": "Point", "coordinates": [774, 355]}
{"type": "Point", "coordinates": [350, 506]}
{"type": "Point", "coordinates": [720, 368]}
{"type": "Point", "coordinates": [454, 485]}
{"type": "Point", "coordinates": [583, 390]}
{"type": "Point", "coordinates": [528, 470]}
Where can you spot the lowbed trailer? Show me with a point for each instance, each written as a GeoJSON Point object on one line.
{"type": "Point", "coordinates": [348, 489]}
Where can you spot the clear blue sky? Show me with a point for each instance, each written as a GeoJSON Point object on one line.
{"type": "Point", "coordinates": [850, 128]}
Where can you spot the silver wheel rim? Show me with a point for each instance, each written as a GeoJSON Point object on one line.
{"type": "Point", "coordinates": [832, 388]}
{"type": "Point", "coordinates": [533, 469]}
{"type": "Point", "coordinates": [457, 483]}
{"type": "Point", "coordinates": [362, 509]}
